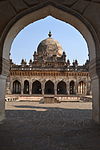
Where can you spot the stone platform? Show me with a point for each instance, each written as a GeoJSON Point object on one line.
{"type": "Point", "coordinates": [49, 99]}
{"type": "Point", "coordinates": [57, 99]}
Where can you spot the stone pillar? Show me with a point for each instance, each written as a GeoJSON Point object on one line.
{"type": "Point", "coordinates": [3, 78]}
{"type": "Point", "coordinates": [22, 88]}
{"type": "Point", "coordinates": [68, 88]}
{"type": "Point", "coordinates": [2, 97]}
{"type": "Point", "coordinates": [30, 87]}
{"type": "Point", "coordinates": [95, 83]}
{"type": "Point", "coordinates": [76, 88]}
{"type": "Point", "coordinates": [81, 91]}
{"type": "Point", "coordinates": [55, 89]}
{"type": "Point", "coordinates": [96, 98]}
{"type": "Point", "coordinates": [43, 87]}
{"type": "Point", "coordinates": [85, 86]}
{"type": "Point", "coordinates": [11, 86]}
{"type": "Point", "coordinates": [43, 91]}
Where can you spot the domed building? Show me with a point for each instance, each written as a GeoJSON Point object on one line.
{"type": "Point", "coordinates": [49, 47]}
{"type": "Point", "coordinates": [49, 73]}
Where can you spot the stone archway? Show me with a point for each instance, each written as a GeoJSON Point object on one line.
{"type": "Point", "coordinates": [16, 87]}
{"type": "Point", "coordinates": [36, 87]}
{"type": "Point", "coordinates": [61, 88]}
{"type": "Point", "coordinates": [49, 88]}
{"type": "Point", "coordinates": [62, 11]}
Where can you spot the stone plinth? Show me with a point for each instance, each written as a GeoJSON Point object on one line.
{"type": "Point", "coordinates": [49, 99]}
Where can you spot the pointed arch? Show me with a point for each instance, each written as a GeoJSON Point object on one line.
{"type": "Point", "coordinates": [61, 88]}
{"type": "Point", "coordinates": [49, 87]}
{"type": "Point", "coordinates": [16, 87]}
{"type": "Point", "coordinates": [36, 87]}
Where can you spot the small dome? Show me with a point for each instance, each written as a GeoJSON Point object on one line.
{"type": "Point", "coordinates": [49, 47]}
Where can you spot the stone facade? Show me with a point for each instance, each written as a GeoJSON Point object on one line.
{"type": "Point", "coordinates": [49, 73]}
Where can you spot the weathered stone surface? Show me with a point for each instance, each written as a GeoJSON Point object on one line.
{"type": "Point", "coordinates": [18, 5]}
{"type": "Point", "coordinates": [6, 14]}
{"type": "Point", "coordinates": [92, 14]}
{"type": "Point", "coordinates": [32, 2]}
{"type": "Point", "coordinates": [80, 6]}
{"type": "Point", "coordinates": [2, 97]}
{"type": "Point", "coordinates": [68, 3]}
{"type": "Point", "coordinates": [6, 67]}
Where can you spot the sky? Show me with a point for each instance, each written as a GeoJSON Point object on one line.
{"type": "Point", "coordinates": [28, 39]}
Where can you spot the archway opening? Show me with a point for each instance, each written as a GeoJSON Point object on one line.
{"type": "Point", "coordinates": [49, 87]}
{"type": "Point", "coordinates": [81, 88]}
{"type": "Point", "coordinates": [26, 87]}
{"type": "Point", "coordinates": [28, 66]}
{"type": "Point", "coordinates": [77, 22]}
{"type": "Point", "coordinates": [61, 88]}
{"type": "Point", "coordinates": [16, 87]}
{"type": "Point", "coordinates": [72, 88]}
{"type": "Point", "coordinates": [36, 88]}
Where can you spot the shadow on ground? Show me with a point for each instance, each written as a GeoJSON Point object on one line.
{"type": "Point", "coordinates": [47, 128]}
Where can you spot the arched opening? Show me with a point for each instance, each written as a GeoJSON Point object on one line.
{"type": "Point", "coordinates": [72, 87]}
{"type": "Point", "coordinates": [66, 15]}
{"type": "Point", "coordinates": [49, 87]}
{"type": "Point", "coordinates": [26, 87]}
{"type": "Point", "coordinates": [81, 88]}
{"type": "Point", "coordinates": [16, 87]}
{"type": "Point", "coordinates": [30, 17]}
{"type": "Point", "coordinates": [61, 88]}
{"type": "Point", "coordinates": [36, 88]}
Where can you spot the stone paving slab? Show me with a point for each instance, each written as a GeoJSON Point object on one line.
{"type": "Point", "coordinates": [64, 126]}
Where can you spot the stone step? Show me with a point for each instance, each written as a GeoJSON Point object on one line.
{"type": "Point", "coordinates": [31, 98]}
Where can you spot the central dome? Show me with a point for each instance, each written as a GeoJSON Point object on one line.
{"type": "Point", "coordinates": [49, 47]}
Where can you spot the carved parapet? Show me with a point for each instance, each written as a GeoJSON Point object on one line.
{"type": "Point", "coordinates": [5, 67]}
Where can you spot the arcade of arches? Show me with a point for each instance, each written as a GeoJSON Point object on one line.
{"type": "Point", "coordinates": [84, 15]}
{"type": "Point", "coordinates": [49, 88]}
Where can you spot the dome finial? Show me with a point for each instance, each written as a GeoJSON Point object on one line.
{"type": "Point", "coordinates": [50, 34]}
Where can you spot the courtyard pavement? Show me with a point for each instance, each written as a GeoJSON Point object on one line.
{"type": "Point", "coordinates": [63, 126]}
